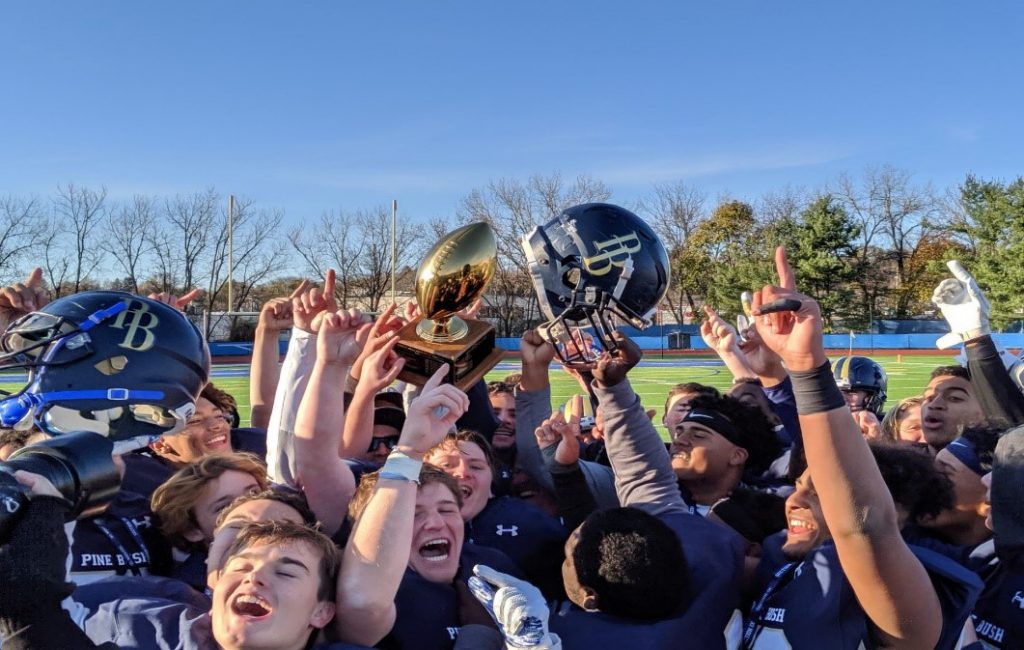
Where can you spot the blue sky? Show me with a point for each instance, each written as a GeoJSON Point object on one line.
{"type": "Point", "coordinates": [315, 105]}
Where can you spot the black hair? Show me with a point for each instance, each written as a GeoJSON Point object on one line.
{"type": "Point", "coordinates": [913, 480]}
{"type": "Point", "coordinates": [751, 513]}
{"type": "Point", "coordinates": [690, 387]}
{"type": "Point", "coordinates": [951, 371]}
{"type": "Point", "coordinates": [633, 562]}
{"type": "Point", "coordinates": [756, 431]}
{"type": "Point", "coordinates": [984, 439]}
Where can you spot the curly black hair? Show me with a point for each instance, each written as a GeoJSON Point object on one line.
{"type": "Point", "coordinates": [756, 431]}
{"type": "Point", "coordinates": [984, 439]}
{"type": "Point", "coordinates": [913, 480]}
{"type": "Point", "coordinates": [634, 563]}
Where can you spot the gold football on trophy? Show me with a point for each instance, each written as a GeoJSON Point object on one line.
{"type": "Point", "coordinates": [452, 275]}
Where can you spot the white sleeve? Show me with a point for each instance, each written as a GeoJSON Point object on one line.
{"type": "Point", "coordinates": [295, 371]}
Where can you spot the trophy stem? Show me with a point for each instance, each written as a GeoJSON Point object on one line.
{"type": "Point", "coordinates": [442, 330]}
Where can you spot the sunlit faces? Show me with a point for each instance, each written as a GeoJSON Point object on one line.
{"type": "Point", "coordinates": [805, 522]}
{"type": "Point", "coordinates": [701, 454]}
{"type": "Point", "coordinates": [970, 505]}
{"type": "Point", "coordinates": [504, 405]}
{"type": "Point", "coordinates": [467, 463]}
{"type": "Point", "coordinates": [909, 427]}
{"type": "Point", "coordinates": [437, 534]}
{"type": "Point", "coordinates": [218, 494]}
{"type": "Point", "coordinates": [227, 533]}
{"type": "Point", "coordinates": [207, 431]}
{"type": "Point", "coordinates": [678, 407]}
{"type": "Point", "coordinates": [384, 439]}
{"type": "Point", "coordinates": [266, 597]}
{"type": "Point", "coordinates": [949, 405]}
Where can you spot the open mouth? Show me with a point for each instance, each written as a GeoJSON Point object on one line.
{"type": "Point", "coordinates": [218, 440]}
{"type": "Point", "coordinates": [251, 607]}
{"type": "Point", "coordinates": [930, 422]}
{"type": "Point", "coordinates": [800, 527]}
{"type": "Point", "coordinates": [435, 550]}
{"type": "Point", "coordinates": [466, 491]}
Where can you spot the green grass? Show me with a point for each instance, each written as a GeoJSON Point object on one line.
{"type": "Point", "coordinates": [906, 378]}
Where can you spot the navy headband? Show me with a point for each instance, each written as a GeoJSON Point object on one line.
{"type": "Point", "coordinates": [965, 452]}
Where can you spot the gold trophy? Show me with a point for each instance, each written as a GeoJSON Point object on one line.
{"type": "Point", "coordinates": [453, 274]}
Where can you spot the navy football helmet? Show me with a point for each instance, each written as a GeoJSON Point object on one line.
{"type": "Point", "coordinates": [592, 264]}
{"type": "Point", "coordinates": [861, 373]}
{"type": "Point", "coordinates": [126, 367]}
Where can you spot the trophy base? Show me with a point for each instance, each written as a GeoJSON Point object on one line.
{"type": "Point", "coordinates": [469, 358]}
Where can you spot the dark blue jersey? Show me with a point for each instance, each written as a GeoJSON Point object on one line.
{"type": "Point", "coordinates": [122, 540]}
{"type": "Point", "coordinates": [427, 613]}
{"type": "Point", "coordinates": [714, 558]}
{"type": "Point", "coordinates": [531, 537]}
{"type": "Point", "coordinates": [810, 604]}
{"type": "Point", "coordinates": [999, 614]}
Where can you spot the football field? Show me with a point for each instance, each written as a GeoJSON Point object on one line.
{"type": "Point", "coordinates": [908, 376]}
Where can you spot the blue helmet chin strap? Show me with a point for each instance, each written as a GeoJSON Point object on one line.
{"type": "Point", "coordinates": [14, 409]}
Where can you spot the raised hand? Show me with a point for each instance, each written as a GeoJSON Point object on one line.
{"type": "Point", "coordinates": [963, 305]}
{"type": "Point", "coordinates": [473, 310]}
{"type": "Point", "coordinates": [789, 322]}
{"type": "Point", "coordinates": [517, 606]}
{"type": "Point", "coordinates": [411, 311]}
{"type": "Point", "coordinates": [306, 304]}
{"type": "Point", "coordinates": [432, 414]}
{"type": "Point", "coordinates": [22, 298]}
{"type": "Point", "coordinates": [868, 422]}
{"type": "Point", "coordinates": [276, 313]}
{"type": "Point", "coordinates": [718, 334]}
{"type": "Point", "coordinates": [376, 337]}
{"type": "Point", "coordinates": [563, 430]}
{"type": "Point", "coordinates": [178, 302]}
{"type": "Point", "coordinates": [336, 335]}
{"type": "Point", "coordinates": [612, 366]}
{"type": "Point", "coordinates": [381, 367]}
{"type": "Point", "coordinates": [535, 351]}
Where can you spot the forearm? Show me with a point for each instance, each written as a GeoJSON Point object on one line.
{"type": "Point", "coordinates": [263, 375]}
{"type": "Point", "coordinates": [643, 470]}
{"type": "Point", "coordinates": [572, 494]}
{"type": "Point", "coordinates": [294, 377]}
{"type": "Point", "coordinates": [1001, 400]}
{"type": "Point", "coordinates": [323, 476]}
{"type": "Point", "coordinates": [532, 408]}
{"type": "Point", "coordinates": [358, 426]}
{"type": "Point", "coordinates": [374, 562]}
{"type": "Point", "coordinates": [736, 362]}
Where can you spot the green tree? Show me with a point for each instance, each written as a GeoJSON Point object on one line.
{"type": "Point", "coordinates": [992, 223]}
{"type": "Point", "coordinates": [823, 253]}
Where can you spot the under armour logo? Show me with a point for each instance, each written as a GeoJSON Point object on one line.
{"type": "Point", "coordinates": [1018, 599]}
{"type": "Point", "coordinates": [511, 530]}
{"type": "Point", "coordinates": [612, 252]}
{"type": "Point", "coordinates": [12, 506]}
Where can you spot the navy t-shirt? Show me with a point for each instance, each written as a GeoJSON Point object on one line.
{"type": "Point", "coordinates": [999, 614]}
{"type": "Point", "coordinates": [427, 613]}
{"type": "Point", "coordinates": [714, 556]}
{"type": "Point", "coordinates": [123, 540]}
{"type": "Point", "coordinates": [531, 537]}
{"type": "Point", "coordinates": [810, 603]}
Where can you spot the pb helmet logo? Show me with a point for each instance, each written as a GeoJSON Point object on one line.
{"type": "Point", "coordinates": [612, 252]}
{"type": "Point", "coordinates": [138, 323]}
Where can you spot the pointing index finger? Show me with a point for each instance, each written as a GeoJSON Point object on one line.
{"type": "Point", "coordinates": [786, 278]}
{"type": "Point", "coordinates": [299, 289]}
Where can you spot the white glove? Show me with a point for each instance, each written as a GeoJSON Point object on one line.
{"type": "Point", "coordinates": [963, 306]}
{"type": "Point", "coordinates": [516, 606]}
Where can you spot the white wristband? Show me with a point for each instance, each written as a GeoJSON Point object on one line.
{"type": "Point", "coordinates": [400, 467]}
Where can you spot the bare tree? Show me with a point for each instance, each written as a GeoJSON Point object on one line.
{"type": "Point", "coordinates": [21, 228]}
{"type": "Point", "coordinates": [675, 211]}
{"type": "Point", "coordinates": [190, 220]}
{"type": "Point", "coordinates": [71, 253]}
{"type": "Point", "coordinates": [513, 208]}
{"type": "Point", "coordinates": [895, 217]}
{"type": "Point", "coordinates": [332, 242]}
{"type": "Point", "coordinates": [375, 234]}
{"type": "Point", "coordinates": [126, 233]}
